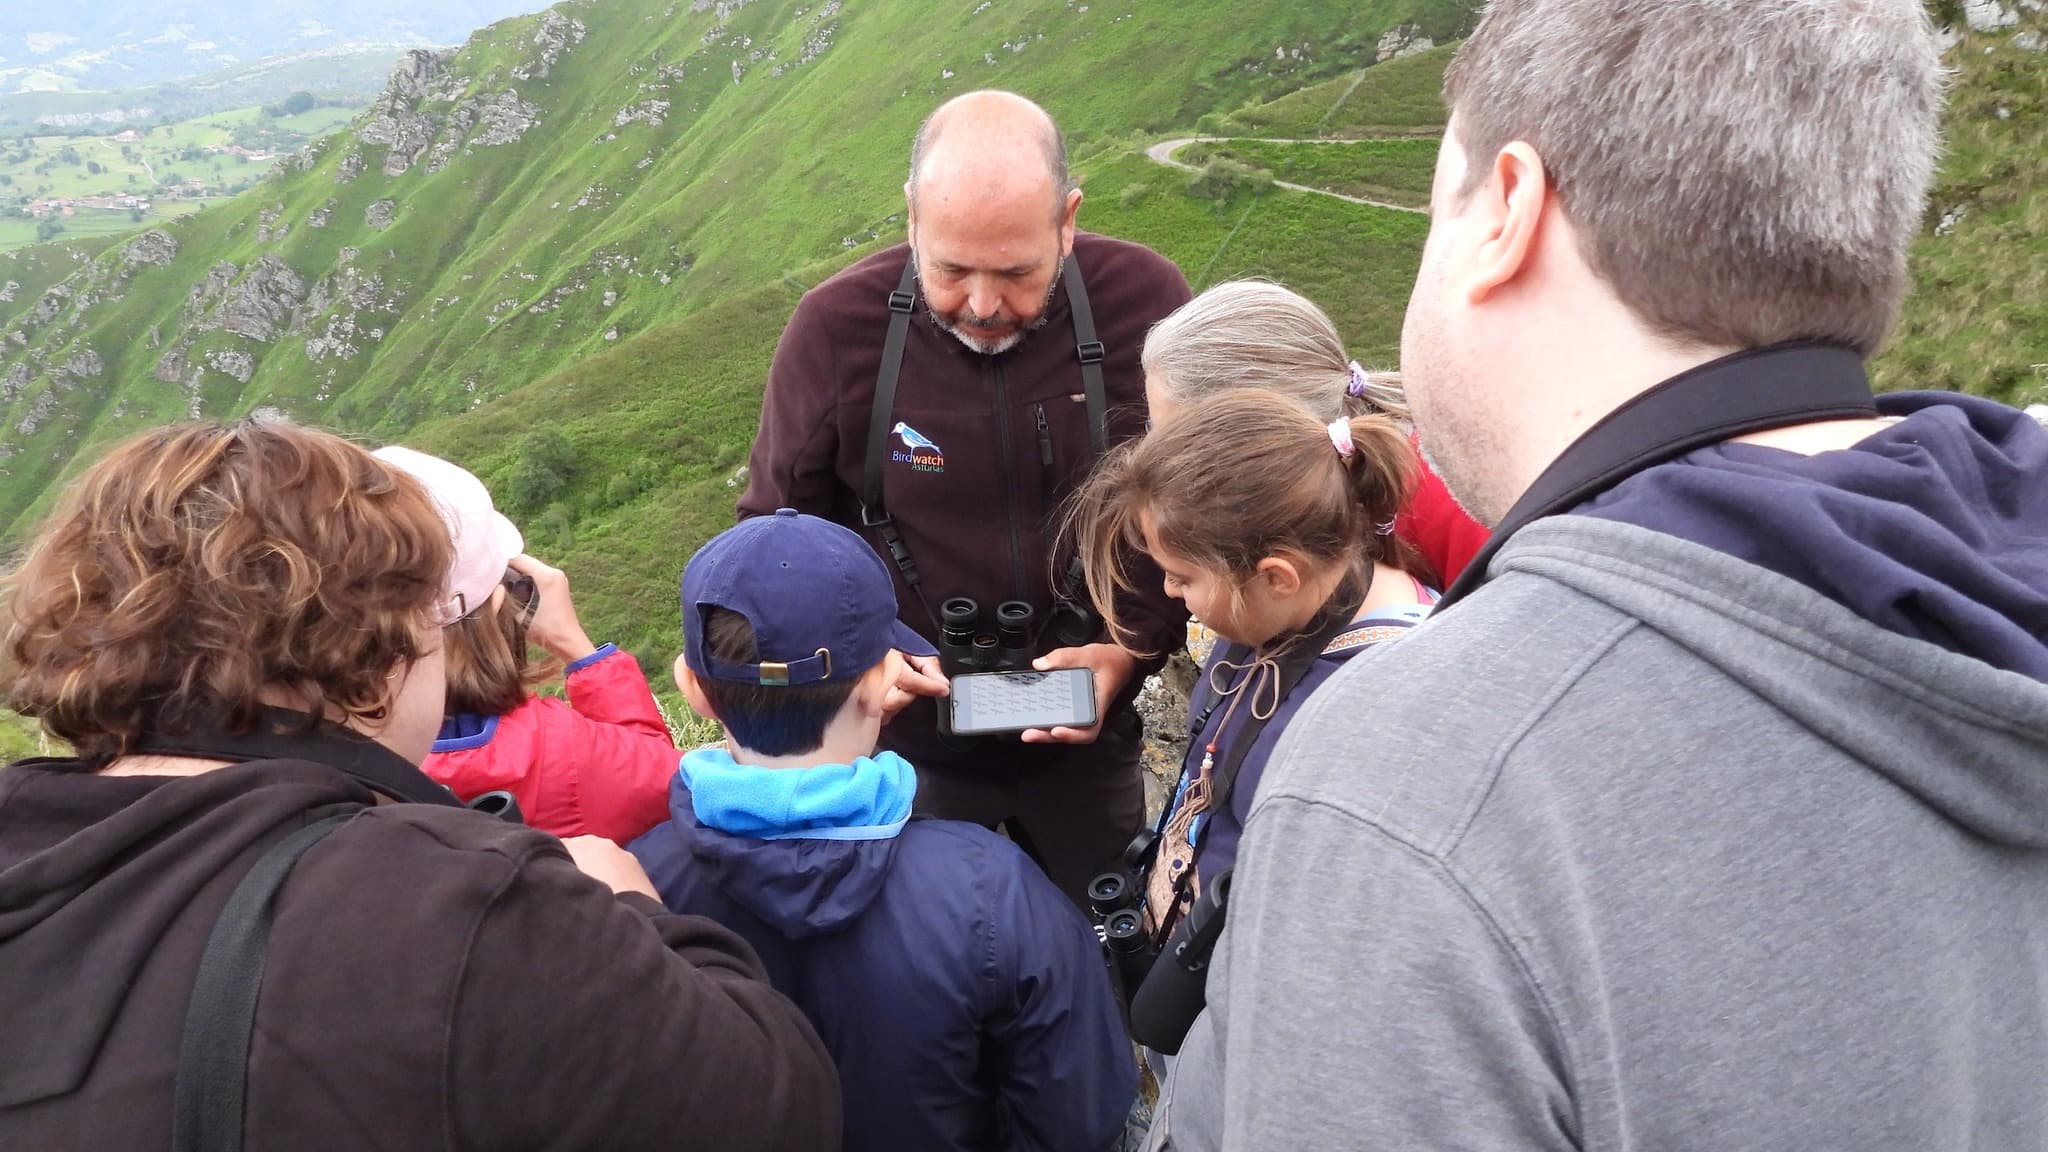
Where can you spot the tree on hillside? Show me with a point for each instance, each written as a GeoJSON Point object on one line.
{"type": "Point", "coordinates": [546, 463]}
{"type": "Point", "coordinates": [298, 102]}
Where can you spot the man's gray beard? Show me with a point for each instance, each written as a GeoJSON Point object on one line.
{"type": "Point", "coordinates": [984, 347]}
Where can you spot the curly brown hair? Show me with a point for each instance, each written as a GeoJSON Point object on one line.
{"type": "Point", "coordinates": [211, 570]}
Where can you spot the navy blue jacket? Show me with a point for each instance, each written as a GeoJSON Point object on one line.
{"type": "Point", "coordinates": [965, 1000]}
{"type": "Point", "coordinates": [1932, 528]}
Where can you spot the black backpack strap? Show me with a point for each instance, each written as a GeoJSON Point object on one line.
{"type": "Point", "coordinates": [213, 1058]}
{"type": "Point", "coordinates": [1091, 353]}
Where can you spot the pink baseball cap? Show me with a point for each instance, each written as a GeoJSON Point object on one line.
{"type": "Point", "coordinates": [485, 542]}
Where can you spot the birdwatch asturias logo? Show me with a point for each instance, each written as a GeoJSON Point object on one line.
{"type": "Point", "coordinates": [923, 455]}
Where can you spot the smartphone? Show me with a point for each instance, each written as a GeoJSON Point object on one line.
{"type": "Point", "coordinates": [986, 703]}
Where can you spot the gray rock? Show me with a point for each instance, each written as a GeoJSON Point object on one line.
{"type": "Point", "coordinates": [503, 119]}
{"type": "Point", "coordinates": [648, 112]}
{"type": "Point", "coordinates": [414, 74]}
{"type": "Point", "coordinates": [232, 362]}
{"type": "Point", "coordinates": [37, 413]}
{"type": "Point", "coordinates": [170, 367]}
{"type": "Point", "coordinates": [16, 379]}
{"type": "Point", "coordinates": [381, 213]}
{"type": "Point", "coordinates": [261, 304]}
{"type": "Point", "coordinates": [1402, 40]}
{"type": "Point", "coordinates": [84, 364]}
{"type": "Point", "coordinates": [8, 290]}
{"type": "Point", "coordinates": [155, 247]}
{"type": "Point", "coordinates": [351, 166]}
{"type": "Point", "coordinates": [553, 37]}
{"type": "Point", "coordinates": [319, 218]}
{"type": "Point", "coordinates": [2031, 40]}
{"type": "Point", "coordinates": [1988, 15]}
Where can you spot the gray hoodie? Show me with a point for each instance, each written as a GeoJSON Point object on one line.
{"type": "Point", "coordinates": [1643, 847]}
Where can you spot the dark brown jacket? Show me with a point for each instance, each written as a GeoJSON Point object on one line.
{"type": "Point", "coordinates": [436, 979]}
{"type": "Point", "coordinates": [1011, 430]}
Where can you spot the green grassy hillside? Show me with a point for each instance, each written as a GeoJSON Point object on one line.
{"type": "Point", "coordinates": [563, 254]}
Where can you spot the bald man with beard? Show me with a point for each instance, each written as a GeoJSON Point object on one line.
{"type": "Point", "coordinates": [990, 429]}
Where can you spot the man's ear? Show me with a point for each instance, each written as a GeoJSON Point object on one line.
{"type": "Point", "coordinates": [1511, 206]}
{"type": "Point", "coordinates": [693, 690]}
{"type": "Point", "coordinates": [909, 210]}
{"type": "Point", "coordinates": [1067, 216]}
{"type": "Point", "coordinates": [1281, 576]}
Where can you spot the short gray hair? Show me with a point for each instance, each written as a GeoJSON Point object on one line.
{"type": "Point", "coordinates": [1741, 172]}
{"type": "Point", "coordinates": [1257, 334]}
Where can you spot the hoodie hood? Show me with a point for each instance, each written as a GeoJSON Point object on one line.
{"type": "Point", "coordinates": [93, 869]}
{"type": "Point", "coordinates": [806, 850]}
{"type": "Point", "coordinates": [1934, 528]}
{"type": "Point", "coordinates": [1963, 737]}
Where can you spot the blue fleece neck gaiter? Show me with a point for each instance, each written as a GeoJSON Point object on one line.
{"type": "Point", "coordinates": [868, 799]}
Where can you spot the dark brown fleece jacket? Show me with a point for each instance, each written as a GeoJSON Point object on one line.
{"type": "Point", "coordinates": [980, 511]}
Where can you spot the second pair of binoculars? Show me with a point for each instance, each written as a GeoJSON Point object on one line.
{"type": "Point", "coordinates": [971, 641]}
{"type": "Point", "coordinates": [1114, 897]}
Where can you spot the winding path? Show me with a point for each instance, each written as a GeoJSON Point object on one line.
{"type": "Point", "coordinates": [1163, 152]}
{"type": "Point", "coordinates": [153, 181]}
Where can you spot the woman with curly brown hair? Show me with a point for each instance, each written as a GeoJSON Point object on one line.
{"type": "Point", "coordinates": [237, 630]}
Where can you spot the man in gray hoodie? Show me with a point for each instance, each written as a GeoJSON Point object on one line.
{"type": "Point", "coordinates": [1712, 811]}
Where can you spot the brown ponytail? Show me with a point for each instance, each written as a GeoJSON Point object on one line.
{"type": "Point", "coordinates": [1241, 476]}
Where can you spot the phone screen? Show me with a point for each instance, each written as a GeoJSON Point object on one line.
{"type": "Point", "coordinates": [985, 702]}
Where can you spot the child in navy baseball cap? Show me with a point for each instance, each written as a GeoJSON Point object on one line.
{"type": "Point", "coordinates": [958, 990]}
{"type": "Point", "coordinates": [787, 619]}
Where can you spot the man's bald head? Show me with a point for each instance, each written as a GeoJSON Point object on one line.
{"type": "Point", "coordinates": [989, 229]}
{"type": "Point", "coordinates": [973, 143]}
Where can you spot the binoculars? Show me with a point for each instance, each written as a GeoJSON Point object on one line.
{"type": "Point", "coordinates": [499, 803]}
{"type": "Point", "coordinates": [1114, 898]}
{"type": "Point", "coordinates": [968, 643]}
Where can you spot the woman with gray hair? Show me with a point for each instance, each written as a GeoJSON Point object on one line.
{"type": "Point", "coordinates": [1258, 334]}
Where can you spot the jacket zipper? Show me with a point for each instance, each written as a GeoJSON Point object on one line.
{"type": "Point", "coordinates": [1044, 455]}
{"type": "Point", "coordinates": [1009, 466]}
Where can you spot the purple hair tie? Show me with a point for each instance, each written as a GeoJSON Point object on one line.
{"type": "Point", "coordinates": [1358, 381]}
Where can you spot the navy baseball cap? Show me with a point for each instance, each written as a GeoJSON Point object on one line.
{"type": "Point", "coordinates": [820, 601]}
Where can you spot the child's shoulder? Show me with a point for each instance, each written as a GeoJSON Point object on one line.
{"type": "Point", "coordinates": [971, 854]}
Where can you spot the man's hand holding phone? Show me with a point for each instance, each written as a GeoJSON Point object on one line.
{"type": "Point", "coordinates": [1112, 667]}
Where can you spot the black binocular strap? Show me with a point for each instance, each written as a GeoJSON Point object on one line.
{"type": "Point", "coordinates": [213, 1056]}
{"type": "Point", "coordinates": [1091, 352]}
{"type": "Point", "coordinates": [902, 304]}
{"type": "Point", "coordinates": [1750, 391]}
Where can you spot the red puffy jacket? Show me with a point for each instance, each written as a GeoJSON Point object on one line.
{"type": "Point", "coordinates": [598, 764]}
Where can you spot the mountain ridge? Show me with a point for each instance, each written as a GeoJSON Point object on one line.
{"type": "Point", "coordinates": [563, 254]}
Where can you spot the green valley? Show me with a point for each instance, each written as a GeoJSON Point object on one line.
{"type": "Point", "coordinates": [563, 254]}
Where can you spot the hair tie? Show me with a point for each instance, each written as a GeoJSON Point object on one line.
{"type": "Point", "coordinates": [1340, 437]}
{"type": "Point", "coordinates": [1358, 381]}
{"type": "Point", "coordinates": [1385, 527]}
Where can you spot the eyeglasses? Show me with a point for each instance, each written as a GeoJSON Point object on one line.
{"type": "Point", "coordinates": [522, 594]}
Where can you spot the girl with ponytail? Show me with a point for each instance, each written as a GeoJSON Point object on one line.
{"type": "Point", "coordinates": [1257, 334]}
{"type": "Point", "coordinates": [1275, 527]}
